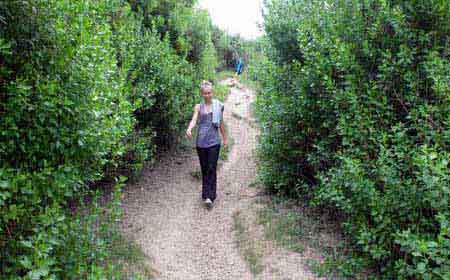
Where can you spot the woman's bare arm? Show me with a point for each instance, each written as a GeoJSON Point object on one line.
{"type": "Point", "coordinates": [193, 121]}
{"type": "Point", "coordinates": [223, 132]}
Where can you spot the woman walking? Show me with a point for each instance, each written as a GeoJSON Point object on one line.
{"type": "Point", "coordinates": [208, 143]}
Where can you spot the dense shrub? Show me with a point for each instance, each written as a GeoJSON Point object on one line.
{"type": "Point", "coordinates": [354, 115]}
{"type": "Point", "coordinates": [173, 53]}
{"type": "Point", "coordinates": [187, 29]}
{"type": "Point", "coordinates": [163, 100]}
{"type": "Point", "coordinates": [88, 89]}
{"type": "Point", "coordinates": [229, 48]}
{"type": "Point", "coordinates": [64, 114]}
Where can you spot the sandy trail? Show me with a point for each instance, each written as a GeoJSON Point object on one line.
{"type": "Point", "coordinates": [164, 213]}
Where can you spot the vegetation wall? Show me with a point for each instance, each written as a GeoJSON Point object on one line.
{"type": "Point", "coordinates": [89, 89]}
{"type": "Point", "coordinates": [354, 112]}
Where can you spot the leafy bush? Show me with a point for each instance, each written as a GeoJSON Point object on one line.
{"type": "Point", "coordinates": [63, 117]}
{"type": "Point", "coordinates": [355, 116]}
{"type": "Point", "coordinates": [163, 100]}
{"type": "Point", "coordinates": [88, 89]}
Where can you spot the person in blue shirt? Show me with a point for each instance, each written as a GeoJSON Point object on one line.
{"type": "Point", "coordinates": [239, 66]}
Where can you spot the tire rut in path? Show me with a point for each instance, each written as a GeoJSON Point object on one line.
{"type": "Point", "coordinates": [165, 216]}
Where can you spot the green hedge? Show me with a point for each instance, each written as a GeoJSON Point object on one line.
{"type": "Point", "coordinates": [354, 116]}
{"type": "Point", "coordinates": [64, 113]}
{"type": "Point", "coordinates": [89, 90]}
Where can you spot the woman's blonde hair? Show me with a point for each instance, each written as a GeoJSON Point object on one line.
{"type": "Point", "coordinates": [205, 84]}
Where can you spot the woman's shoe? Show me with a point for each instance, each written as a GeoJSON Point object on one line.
{"type": "Point", "coordinates": [208, 203]}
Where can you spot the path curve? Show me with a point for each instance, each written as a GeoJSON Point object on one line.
{"type": "Point", "coordinates": [182, 239]}
{"type": "Point", "coordinates": [165, 216]}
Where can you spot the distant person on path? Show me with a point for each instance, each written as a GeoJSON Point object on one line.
{"type": "Point", "coordinates": [239, 66]}
{"type": "Point", "coordinates": [208, 139]}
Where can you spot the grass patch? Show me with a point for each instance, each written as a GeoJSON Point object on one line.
{"type": "Point", "coordinates": [284, 227]}
{"type": "Point", "coordinates": [245, 80]}
{"type": "Point", "coordinates": [253, 108]}
{"type": "Point", "coordinates": [296, 227]}
{"type": "Point", "coordinates": [250, 251]}
{"type": "Point", "coordinates": [222, 75]}
{"type": "Point", "coordinates": [253, 184]}
{"type": "Point", "coordinates": [341, 266]}
{"type": "Point", "coordinates": [197, 174]}
{"type": "Point", "coordinates": [128, 257]}
{"type": "Point", "coordinates": [98, 214]}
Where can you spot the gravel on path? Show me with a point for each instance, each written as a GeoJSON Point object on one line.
{"type": "Point", "coordinates": [164, 214]}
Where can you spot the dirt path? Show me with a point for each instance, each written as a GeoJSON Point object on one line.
{"type": "Point", "coordinates": [165, 216]}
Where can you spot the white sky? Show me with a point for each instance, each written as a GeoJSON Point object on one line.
{"type": "Point", "coordinates": [235, 16]}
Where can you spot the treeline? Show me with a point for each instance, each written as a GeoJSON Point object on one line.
{"type": "Point", "coordinates": [232, 47]}
{"type": "Point", "coordinates": [354, 109]}
{"type": "Point", "coordinates": [89, 89]}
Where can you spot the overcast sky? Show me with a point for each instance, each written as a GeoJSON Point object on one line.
{"type": "Point", "coordinates": [235, 16]}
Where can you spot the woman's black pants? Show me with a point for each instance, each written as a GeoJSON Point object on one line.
{"type": "Point", "coordinates": [208, 163]}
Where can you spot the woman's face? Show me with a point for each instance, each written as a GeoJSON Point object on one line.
{"type": "Point", "coordinates": [206, 92]}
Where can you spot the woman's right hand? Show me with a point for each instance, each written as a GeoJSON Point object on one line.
{"type": "Point", "coordinates": [189, 134]}
{"type": "Point", "coordinates": [193, 121]}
